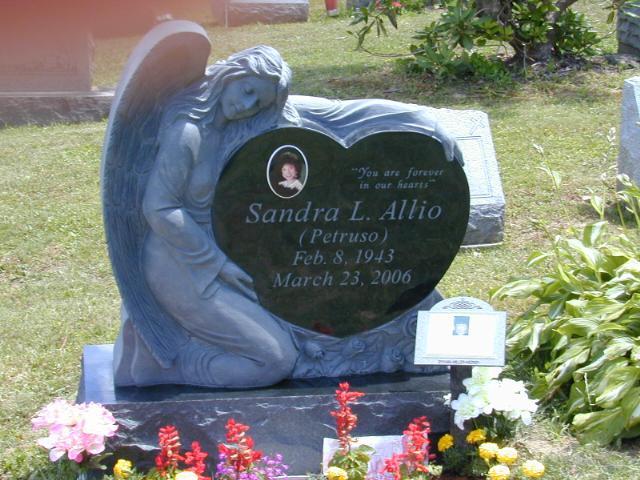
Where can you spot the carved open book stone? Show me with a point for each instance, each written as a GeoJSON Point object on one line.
{"type": "Point", "coordinates": [341, 240]}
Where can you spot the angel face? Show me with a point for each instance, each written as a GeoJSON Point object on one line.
{"type": "Point", "coordinates": [246, 96]}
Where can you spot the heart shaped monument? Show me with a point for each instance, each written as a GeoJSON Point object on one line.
{"type": "Point", "coordinates": [340, 239]}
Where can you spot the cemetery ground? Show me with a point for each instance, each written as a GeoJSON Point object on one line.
{"type": "Point", "coordinates": [57, 291]}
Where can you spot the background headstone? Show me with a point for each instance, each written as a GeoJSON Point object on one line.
{"type": "Point", "coordinates": [629, 31]}
{"type": "Point", "coordinates": [45, 64]}
{"type": "Point", "coordinates": [486, 217]}
{"type": "Point", "coordinates": [43, 108]}
{"type": "Point", "coordinates": [46, 47]}
{"type": "Point", "coordinates": [233, 13]}
{"type": "Point", "coordinates": [629, 157]}
{"type": "Point", "coordinates": [353, 4]}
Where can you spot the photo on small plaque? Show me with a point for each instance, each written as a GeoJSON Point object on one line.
{"type": "Point", "coordinates": [287, 171]}
{"type": "Point", "coordinates": [459, 337]}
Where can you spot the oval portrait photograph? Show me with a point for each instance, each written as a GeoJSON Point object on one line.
{"type": "Point", "coordinates": [287, 171]}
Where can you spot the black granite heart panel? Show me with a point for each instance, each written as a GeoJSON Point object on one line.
{"type": "Point", "coordinates": [341, 240]}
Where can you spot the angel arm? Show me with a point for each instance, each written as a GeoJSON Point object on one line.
{"type": "Point", "coordinates": [163, 207]}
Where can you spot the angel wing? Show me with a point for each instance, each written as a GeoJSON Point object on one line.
{"type": "Point", "coordinates": [171, 56]}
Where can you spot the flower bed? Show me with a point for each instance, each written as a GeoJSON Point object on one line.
{"type": "Point", "coordinates": [78, 436]}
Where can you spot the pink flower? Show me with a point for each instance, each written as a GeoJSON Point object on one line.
{"type": "Point", "coordinates": [74, 430]}
{"type": "Point", "coordinates": [58, 412]}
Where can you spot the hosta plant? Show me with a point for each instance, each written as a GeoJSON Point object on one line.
{"type": "Point", "coordinates": [580, 337]}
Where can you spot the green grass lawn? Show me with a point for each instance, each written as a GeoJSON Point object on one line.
{"type": "Point", "coordinates": [56, 288]}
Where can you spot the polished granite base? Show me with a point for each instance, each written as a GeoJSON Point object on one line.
{"type": "Point", "coordinates": [290, 418]}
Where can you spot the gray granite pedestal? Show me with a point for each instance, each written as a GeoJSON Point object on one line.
{"type": "Point", "coordinates": [291, 418]}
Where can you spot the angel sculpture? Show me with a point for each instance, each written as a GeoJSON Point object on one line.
{"type": "Point", "coordinates": [190, 315]}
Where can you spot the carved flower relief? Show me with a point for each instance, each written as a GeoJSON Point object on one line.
{"type": "Point", "coordinates": [313, 350]}
{"type": "Point", "coordinates": [410, 326]}
{"type": "Point", "coordinates": [354, 347]}
{"type": "Point", "coordinates": [392, 359]}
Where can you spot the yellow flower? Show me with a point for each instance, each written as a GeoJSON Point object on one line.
{"type": "Point", "coordinates": [499, 472]}
{"type": "Point", "coordinates": [507, 455]}
{"type": "Point", "coordinates": [187, 476]}
{"type": "Point", "coordinates": [476, 436]}
{"type": "Point", "coordinates": [336, 473]}
{"type": "Point", "coordinates": [122, 469]}
{"type": "Point", "coordinates": [533, 469]}
{"type": "Point", "coordinates": [488, 450]}
{"type": "Point", "coordinates": [445, 442]}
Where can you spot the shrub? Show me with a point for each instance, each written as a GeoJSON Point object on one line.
{"type": "Point", "coordinates": [452, 46]}
{"type": "Point", "coordinates": [580, 338]}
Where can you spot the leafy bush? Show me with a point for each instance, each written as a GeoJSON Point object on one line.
{"type": "Point", "coordinates": [452, 46]}
{"type": "Point", "coordinates": [581, 336]}
{"type": "Point", "coordinates": [447, 48]}
{"type": "Point", "coordinates": [575, 36]}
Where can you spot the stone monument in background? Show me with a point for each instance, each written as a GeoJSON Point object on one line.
{"type": "Point", "coordinates": [233, 13]}
{"type": "Point", "coordinates": [629, 156]}
{"type": "Point", "coordinates": [45, 63]}
{"type": "Point", "coordinates": [628, 30]}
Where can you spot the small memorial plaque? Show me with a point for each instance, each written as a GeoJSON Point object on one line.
{"type": "Point", "coordinates": [341, 240]}
{"type": "Point", "coordinates": [460, 337]}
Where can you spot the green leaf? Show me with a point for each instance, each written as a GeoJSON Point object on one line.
{"type": "Point", "coordinates": [467, 43]}
{"type": "Point", "coordinates": [557, 307]}
{"type": "Point", "coordinates": [595, 260]}
{"type": "Point", "coordinates": [615, 385]}
{"type": "Point", "coordinates": [611, 327]}
{"type": "Point", "coordinates": [537, 257]}
{"type": "Point", "coordinates": [580, 327]}
{"type": "Point", "coordinates": [593, 366]}
{"type": "Point", "coordinates": [534, 338]}
{"type": "Point", "coordinates": [597, 202]}
{"type": "Point", "coordinates": [391, 15]}
{"type": "Point", "coordinates": [593, 233]}
{"type": "Point", "coordinates": [575, 307]}
{"type": "Point", "coordinates": [569, 361]}
{"type": "Point", "coordinates": [618, 347]}
{"type": "Point", "coordinates": [578, 399]}
{"type": "Point", "coordinates": [571, 282]}
{"type": "Point", "coordinates": [552, 287]}
{"type": "Point", "coordinates": [518, 289]}
{"type": "Point", "coordinates": [599, 427]}
{"type": "Point", "coordinates": [631, 408]}
{"type": "Point", "coordinates": [604, 308]}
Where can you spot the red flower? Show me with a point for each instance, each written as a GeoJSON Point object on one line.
{"type": "Point", "coordinates": [392, 465]}
{"type": "Point", "coordinates": [195, 460]}
{"type": "Point", "coordinates": [417, 447]}
{"type": "Point", "coordinates": [235, 431]}
{"type": "Point", "coordinates": [239, 450]}
{"type": "Point", "coordinates": [346, 420]}
{"type": "Point", "coordinates": [169, 455]}
{"type": "Point", "coordinates": [415, 456]}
